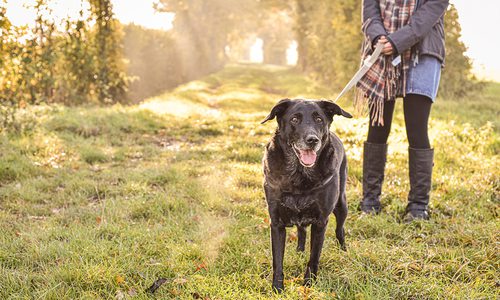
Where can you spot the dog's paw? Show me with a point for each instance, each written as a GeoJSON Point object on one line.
{"type": "Point", "coordinates": [310, 275]}
{"type": "Point", "coordinates": [307, 282]}
{"type": "Point", "coordinates": [278, 288]}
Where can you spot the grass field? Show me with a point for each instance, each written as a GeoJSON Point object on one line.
{"type": "Point", "coordinates": [101, 202]}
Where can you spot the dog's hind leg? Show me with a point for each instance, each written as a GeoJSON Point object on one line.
{"type": "Point", "coordinates": [340, 210]}
{"type": "Point", "coordinates": [301, 232]}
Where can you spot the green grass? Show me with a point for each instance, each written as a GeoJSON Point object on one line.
{"type": "Point", "coordinates": [101, 202]}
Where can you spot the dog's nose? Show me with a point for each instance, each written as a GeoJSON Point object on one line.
{"type": "Point", "coordinates": [312, 140]}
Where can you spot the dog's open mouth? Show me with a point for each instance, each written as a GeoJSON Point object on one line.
{"type": "Point", "coordinates": [306, 157]}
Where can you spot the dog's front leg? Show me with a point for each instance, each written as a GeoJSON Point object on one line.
{"type": "Point", "coordinates": [278, 235]}
{"type": "Point", "coordinates": [317, 239]}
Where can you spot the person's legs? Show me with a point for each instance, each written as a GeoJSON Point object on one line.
{"type": "Point", "coordinates": [378, 134]}
{"type": "Point", "coordinates": [374, 158]}
{"type": "Point", "coordinates": [417, 110]}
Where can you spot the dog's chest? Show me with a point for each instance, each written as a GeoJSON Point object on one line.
{"type": "Point", "coordinates": [299, 210]}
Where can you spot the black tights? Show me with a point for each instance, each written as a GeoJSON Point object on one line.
{"type": "Point", "coordinates": [416, 109]}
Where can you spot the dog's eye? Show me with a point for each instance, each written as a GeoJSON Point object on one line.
{"type": "Point", "coordinates": [294, 120]}
{"type": "Point", "coordinates": [318, 120]}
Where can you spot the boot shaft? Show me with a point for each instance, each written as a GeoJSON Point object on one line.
{"type": "Point", "coordinates": [374, 160]}
{"type": "Point", "coordinates": [421, 162]}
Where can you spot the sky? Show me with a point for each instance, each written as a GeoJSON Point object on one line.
{"type": "Point", "coordinates": [480, 20]}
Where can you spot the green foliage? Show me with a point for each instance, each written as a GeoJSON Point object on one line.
{"type": "Point", "coordinates": [42, 50]}
{"type": "Point", "coordinates": [7, 106]}
{"type": "Point", "coordinates": [42, 64]}
{"type": "Point", "coordinates": [347, 40]}
{"type": "Point", "coordinates": [77, 85]}
{"type": "Point", "coordinates": [165, 199]}
{"type": "Point", "coordinates": [110, 80]}
{"type": "Point", "coordinates": [329, 38]}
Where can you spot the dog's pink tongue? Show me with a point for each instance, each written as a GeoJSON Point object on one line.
{"type": "Point", "coordinates": [308, 157]}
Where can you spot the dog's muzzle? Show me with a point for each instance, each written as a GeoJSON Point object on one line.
{"type": "Point", "coordinates": [307, 152]}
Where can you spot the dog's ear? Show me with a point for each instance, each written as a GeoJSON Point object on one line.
{"type": "Point", "coordinates": [332, 109]}
{"type": "Point", "coordinates": [278, 110]}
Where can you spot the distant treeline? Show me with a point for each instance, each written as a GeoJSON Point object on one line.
{"type": "Point", "coordinates": [95, 59]}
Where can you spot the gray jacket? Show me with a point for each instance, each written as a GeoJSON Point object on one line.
{"type": "Point", "coordinates": [425, 29]}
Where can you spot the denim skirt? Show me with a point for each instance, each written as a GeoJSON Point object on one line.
{"type": "Point", "coordinates": [423, 77]}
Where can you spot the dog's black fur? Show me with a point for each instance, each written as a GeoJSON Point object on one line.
{"type": "Point", "coordinates": [297, 192]}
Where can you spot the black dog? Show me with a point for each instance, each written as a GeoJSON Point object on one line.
{"type": "Point", "coordinates": [305, 169]}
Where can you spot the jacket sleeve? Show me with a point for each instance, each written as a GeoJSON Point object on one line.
{"type": "Point", "coordinates": [421, 22]}
{"type": "Point", "coordinates": [373, 27]}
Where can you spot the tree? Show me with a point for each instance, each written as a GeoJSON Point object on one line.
{"type": "Point", "coordinates": [76, 69]}
{"type": "Point", "coordinates": [8, 85]}
{"type": "Point", "coordinates": [43, 52]}
{"type": "Point", "coordinates": [347, 40]}
{"type": "Point", "coordinates": [302, 24]}
{"type": "Point", "coordinates": [111, 80]}
{"type": "Point", "coordinates": [328, 38]}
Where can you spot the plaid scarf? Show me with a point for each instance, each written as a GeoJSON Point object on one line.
{"type": "Point", "coordinates": [384, 81]}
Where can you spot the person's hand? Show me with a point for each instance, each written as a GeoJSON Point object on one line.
{"type": "Point", "coordinates": [388, 50]}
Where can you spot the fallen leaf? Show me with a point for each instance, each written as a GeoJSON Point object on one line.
{"type": "Point", "coordinates": [201, 266]}
{"type": "Point", "coordinates": [293, 280]}
{"type": "Point", "coordinates": [119, 295]}
{"type": "Point", "coordinates": [304, 292]}
{"type": "Point", "coordinates": [132, 292]}
{"type": "Point", "coordinates": [196, 295]}
{"type": "Point", "coordinates": [174, 292]}
{"type": "Point", "coordinates": [359, 296]}
{"type": "Point", "coordinates": [180, 281]}
{"type": "Point", "coordinates": [415, 266]}
{"type": "Point", "coordinates": [292, 237]}
{"type": "Point", "coordinates": [98, 220]}
{"type": "Point", "coordinates": [119, 279]}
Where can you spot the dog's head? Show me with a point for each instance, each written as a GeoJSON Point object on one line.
{"type": "Point", "coordinates": [304, 125]}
